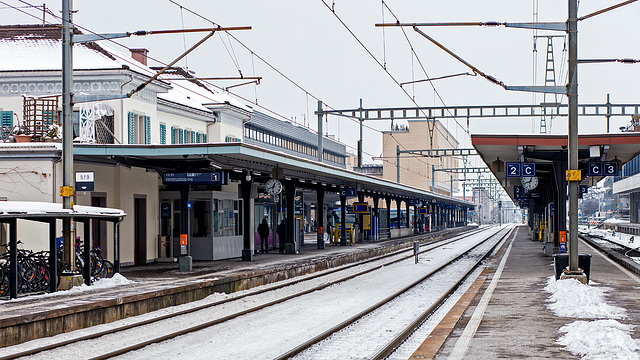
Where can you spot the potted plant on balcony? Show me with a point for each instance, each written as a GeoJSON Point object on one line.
{"type": "Point", "coordinates": [19, 134]}
{"type": "Point", "coordinates": [54, 133]}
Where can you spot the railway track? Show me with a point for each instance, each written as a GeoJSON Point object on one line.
{"type": "Point", "coordinates": [330, 341]}
{"type": "Point", "coordinates": [316, 282]}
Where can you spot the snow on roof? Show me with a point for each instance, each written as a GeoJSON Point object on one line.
{"type": "Point", "coordinates": [37, 208]}
{"type": "Point", "coordinates": [195, 91]}
{"type": "Point", "coordinates": [38, 47]}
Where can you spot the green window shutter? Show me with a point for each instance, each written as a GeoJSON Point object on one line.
{"type": "Point", "coordinates": [147, 130]}
{"type": "Point", "coordinates": [173, 135]}
{"type": "Point", "coordinates": [197, 138]}
{"type": "Point", "coordinates": [163, 134]}
{"type": "Point", "coordinates": [6, 118]}
{"type": "Point", "coordinates": [181, 136]}
{"type": "Point", "coordinates": [132, 128]}
{"type": "Point", "coordinates": [193, 137]}
{"type": "Point", "coordinates": [204, 138]}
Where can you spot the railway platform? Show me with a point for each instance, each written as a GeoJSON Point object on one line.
{"type": "Point", "coordinates": [506, 314]}
{"type": "Point", "coordinates": [157, 285]}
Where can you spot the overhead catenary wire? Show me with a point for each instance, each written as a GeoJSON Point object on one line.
{"type": "Point", "coordinates": [374, 58]}
{"type": "Point", "coordinates": [270, 66]}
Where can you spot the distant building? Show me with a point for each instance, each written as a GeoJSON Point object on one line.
{"type": "Point", "coordinates": [627, 186]}
{"type": "Point", "coordinates": [417, 170]}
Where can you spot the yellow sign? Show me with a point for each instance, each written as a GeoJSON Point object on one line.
{"type": "Point", "coordinates": [66, 191]}
{"type": "Point", "coordinates": [366, 222]}
{"type": "Point", "coordinates": [574, 175]}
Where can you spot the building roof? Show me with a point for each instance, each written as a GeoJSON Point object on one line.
{"type": "Point", "coordinates": [39, 48]}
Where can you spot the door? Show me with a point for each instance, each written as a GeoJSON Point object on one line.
{"type": "Point", "coordinates": [99, 227]}
{"type": "Point", "coordinates": [140, 230]}
{"type": "Point", "coordinates": [165, 246]}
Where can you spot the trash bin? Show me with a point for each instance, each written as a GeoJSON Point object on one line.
{"type": "Point", "coordinates": [561, 261]}
{"type": "Point", "coordinates": [289, 248]}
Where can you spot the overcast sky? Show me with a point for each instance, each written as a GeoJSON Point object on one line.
{"type": "Point", "coordinates": [306, 42]}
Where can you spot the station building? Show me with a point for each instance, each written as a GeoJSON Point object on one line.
{"type": "Point", "coordinates": [175, 125]}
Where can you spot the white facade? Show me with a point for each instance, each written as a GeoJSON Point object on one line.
{"type": "Point", "coordinates": [167, 111]}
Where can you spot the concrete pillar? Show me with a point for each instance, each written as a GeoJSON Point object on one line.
{"type": "Point", "coordinates": [247, 234]}
{"type": "Point", "coordinates": [343, 225]}
{"type": "Point", "coordinates": [290, 188]}
{"type": "Point", "coordinates": [407, 207]}
{"type": "Point", "coordinates": [399, 213]}
{"type": "Point", "coordinates": [388, 203]}
{"type": "Point", "coordinates": [320, 216]}
{"type": "Point", "coordinates": [185, 260]}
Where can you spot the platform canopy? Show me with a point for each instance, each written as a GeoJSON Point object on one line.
{"type": "Point", "coordinates": [549, 153]}
{"type": "Point", "coordinates": [262, 164]}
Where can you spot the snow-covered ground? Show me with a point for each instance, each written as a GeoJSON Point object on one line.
{"type": "Point", "coordinates": [600, 335]}
{"type": "Point", "coordinates": [625, 240]}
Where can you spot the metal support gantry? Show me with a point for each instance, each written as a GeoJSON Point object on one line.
{"type": "Point", "coordinates": [485, 111]}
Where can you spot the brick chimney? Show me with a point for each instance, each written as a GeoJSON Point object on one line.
{"type": "Point", "coordinates": [140, 55]}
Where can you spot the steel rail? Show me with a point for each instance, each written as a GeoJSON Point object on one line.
{"type": "Point", "coordinates": [430, 246]}
{"type": "Point", "coordinates": [392, 345]}
{"type": "Point", "coordinates": [324, 335]}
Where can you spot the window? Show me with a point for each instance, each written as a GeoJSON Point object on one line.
{"type": "Point", "coordinates": [6, 119]}
{"type": "Point", "coordinates": [139, 129]}
{"type": "Point", "coordinates": [163, 134]}
{"type": "Point", "coordinates": [187, 136]}
{"type": "Point", "coordinates": [226, 217]}
{"type": "Point", "coordinates": [201, 218]}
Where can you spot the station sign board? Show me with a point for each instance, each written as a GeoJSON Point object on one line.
{"type": "Point", "coordinates": [518, 169]}
{"type": "Point", "coordinates": [360, 207]}
{"type": "Point", "coordinates": [610, 168]}
{"type": "Point", "coordinates": [205, 178]}
{"type": "Point", "coordinates": [422, 210]}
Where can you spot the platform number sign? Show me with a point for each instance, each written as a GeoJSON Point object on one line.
{"type": "Point", "coordinates": [518, 192]}
{"type": "Point", "coordinates": [596, 168]}
{"type": "Point", "coordinates": [528, 169]}
{"type": "Point", "coordinates": [514, 169]}
{"type": "Point", "coordinates": [607, 168]}
{"type": "Point", "coordinates": [518, 169]}
{"type": "Point", "coordinates": [610, 168]}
